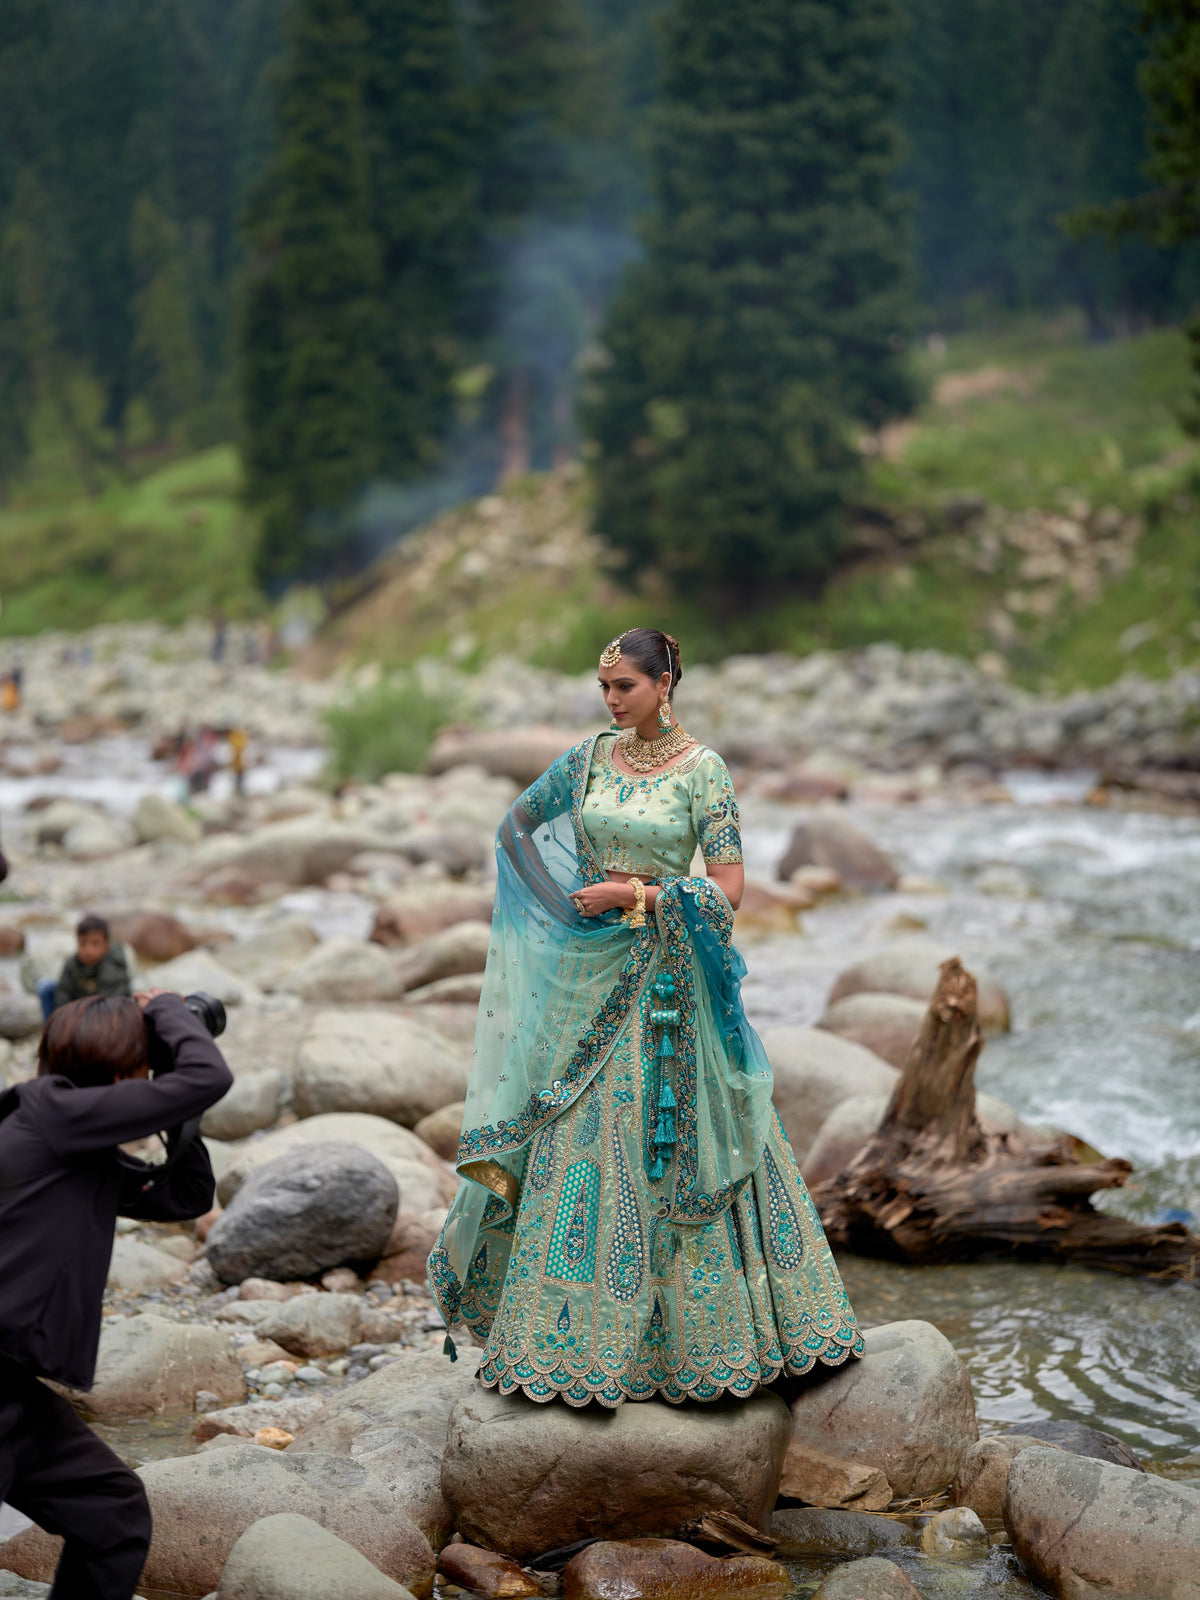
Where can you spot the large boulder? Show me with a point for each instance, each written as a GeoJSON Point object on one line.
{"type": "Point", "coordinates": [523, 1478]}
{"type": "Point", "coordinates": [344, 971]}
{"type": "Point", "coordinates": [394, 1423]}
{"type": "Point", "coordinates": [94, 839]}
{"type": "Point", "coordinates": [1081, 1440]}
{"type": "Point", "coordinates": [885, 1024]}
{"type": "Point", "coordinates": [424, 1180]}
{"type": "Point", "coordinates": [912, 966]}
{"type": "Point", "coordinates": [841, 1136]}
{"type": "Point", "coordinates": [828, 840]}
{"type": "Point", "coordinates": [667, 1569]}
{"type": "Point", "coordinates": [155, 935]}
{"type": "Point", "coordinates": [269, 955]}
{"type": "Point", "coordinates": [198, 970]}
{"type": "Point", "coordinates": [313, 1324]}
{"type": "Point", "coordinates": [203, 1503]}
{"type": "Point", "coordinates": [53, 822]}
{"type": "Point", "coordinates": [814, 1531]}
{"type": "Point", "coordinates": [814, 1072]}
{"type": "Point", "coordinates": [521, 754]}
{"type": "Point", "coordinates": [289, 1557]}
{"type": "Point", "coordinates": [906, 1407]}
{"type": "Point", "coordinates": [310, 1209]}
{"type": "Point", "coordinates": [460, 949]}
{"type": "Point", "coordinates": [147, 1364]}
{"type": "Point", "coordinates": [301, 850]}
{"type": "Point", "coordinates": [982, 1475]}
{"type": "Point", "coordinates": [412, 915]}
{"type": "Point", "coordinates": [156, 818]}
{"type": "Point", "coordinates": [253, 1103]}
{"type": "Point", "coordinates": [138, 1268]}
{"type": "Point", "coordinates": [1085, 1528]}
{"type": "Point", "coordinates": [377, 1062]}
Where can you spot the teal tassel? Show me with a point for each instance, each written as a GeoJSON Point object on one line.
{"type": "Point", "coordinates": [665, 1132]}
{"type": "Point", "coordinates": [666, 1048]}
{"type": "Point", "coordinates": [658, 1170]}
{"type": "Point", "coordinates": [666, 1100]}
{"type": "Point", "coordinates": [449, 1350]}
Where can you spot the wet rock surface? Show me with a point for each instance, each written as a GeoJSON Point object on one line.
{"type": "Point", "coordinates": [291, 1557]}
{"type": "Point", "coordinates": [484, 1572]}
{"type": "Point", "coordinates": [148, 1364]}
{"type": "Point", "coordinates": [1085, 1528]}
{"type": "Point", "coordinates": [874, 1578]}
{"type": "Point", "coordinates": [814, 1072]}
{"type": "Point", "coordinates": [657, 1569]}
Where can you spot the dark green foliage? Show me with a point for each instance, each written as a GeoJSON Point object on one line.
{"type": "Point", "coordinates": [310, 383]}
{"type": "Point", "coordinates": [388, 728]}
{"type": "Point", "coordinates": [764, 327]}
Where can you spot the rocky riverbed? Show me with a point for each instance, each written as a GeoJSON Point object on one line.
{"type": "Point", "coordinates": [346, 935]}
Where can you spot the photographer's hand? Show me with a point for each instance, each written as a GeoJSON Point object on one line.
{"type": "Point", "coordinates": [144, 996]}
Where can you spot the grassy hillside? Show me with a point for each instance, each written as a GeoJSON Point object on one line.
{"type": "Point", "coordinates": [1039, 508]}
{"type": "Point", "coordinates": [172, 545]}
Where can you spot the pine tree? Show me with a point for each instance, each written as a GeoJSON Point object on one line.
{"type": "Point", "coordinates": [171, 375]}
{"type": "Point", "coordinates": [763, 327]}
{"type": "Point", "coordinates": [312, 319]}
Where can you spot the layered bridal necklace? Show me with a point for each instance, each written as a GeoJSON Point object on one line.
{"type": "Point", "coordinates": [643, 755]}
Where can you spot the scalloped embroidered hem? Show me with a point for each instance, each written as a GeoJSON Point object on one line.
{"type": "Point", "coordinates": [578, 1389]}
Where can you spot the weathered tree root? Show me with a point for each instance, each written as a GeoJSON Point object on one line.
{"type": "Point", "coordinates": [935, 1184]}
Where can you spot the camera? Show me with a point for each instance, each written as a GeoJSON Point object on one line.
{"type": "Point", "coordinates": [208, 1009]}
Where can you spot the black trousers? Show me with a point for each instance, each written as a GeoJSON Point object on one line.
{"type": "Point", "coordinates": [54, 1469]}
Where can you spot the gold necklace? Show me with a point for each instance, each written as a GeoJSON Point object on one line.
{"type": "Point", "coordinates": [643, 755]}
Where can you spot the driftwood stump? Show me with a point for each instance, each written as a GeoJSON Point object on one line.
{"type": "Point", "coordinates": [935, 1184]}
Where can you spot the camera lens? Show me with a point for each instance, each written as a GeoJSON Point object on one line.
{"type": "Point", "coordinates": [208, 1009]}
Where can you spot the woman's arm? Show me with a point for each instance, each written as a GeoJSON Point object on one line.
{"type": "Point", "coordinates": [731, 881]}
{"type": "Point", "coordinates": [617, 893]}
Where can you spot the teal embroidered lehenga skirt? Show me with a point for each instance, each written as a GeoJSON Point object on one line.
{"type": "Point", "coordinates": [632, 1222]}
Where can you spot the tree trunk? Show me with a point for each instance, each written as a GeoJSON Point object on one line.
{"type": "Point", "coordinates": [934, 1184]}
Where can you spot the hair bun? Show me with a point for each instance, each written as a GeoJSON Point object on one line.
{"type": "Point", "coordinates": [673, 645]}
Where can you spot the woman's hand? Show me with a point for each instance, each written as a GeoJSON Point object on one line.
{"type": "Point", "coordinates": [598, 898]}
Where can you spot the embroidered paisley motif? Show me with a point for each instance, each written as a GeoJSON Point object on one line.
{"type": "Point", "coordinates": [784, 1238]}
{"type": "Point", "coordinates": [627, 1252]}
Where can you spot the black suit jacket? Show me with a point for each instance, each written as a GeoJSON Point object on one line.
{"type": "Point", "coordinates": [62, 1189]}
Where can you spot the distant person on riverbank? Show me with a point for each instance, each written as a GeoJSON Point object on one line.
{"type": "Point", "coordinates": [239, 741]}
{"type": "Point", "coordinates": [10, 690]}
{"type": "Point", "coordinates": [97, 967]}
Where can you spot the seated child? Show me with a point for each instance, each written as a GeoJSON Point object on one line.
{"type": "Point", "coordinates": [97, 967]}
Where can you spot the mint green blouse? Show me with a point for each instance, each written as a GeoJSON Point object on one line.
{"type": "Point", "coordinates": [651, 824]}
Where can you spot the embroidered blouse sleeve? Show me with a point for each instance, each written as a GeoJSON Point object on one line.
{"type": "Point", "coordinates": [715, 814]}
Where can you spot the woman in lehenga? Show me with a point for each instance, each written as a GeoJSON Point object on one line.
{"type": "Point", "coordinates": [632, 1223]}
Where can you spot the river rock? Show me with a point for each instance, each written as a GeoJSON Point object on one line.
{"type": "Point", "coordinates": [394, 1423]}
{"type": "Point", "coordinates": [314, 1324]}
{"type": "Point", "coordinates": [55, 821]}
{"type": "Point", "coordinates": [425, 1180]}
{"type": "Point", "coordinates": [407, 1250]}
{"type": "Point", "coordinates": [873, 1578]}
{"type": "Point", "coordinates": [829, 840]}
{"type": "Point", "coordinates": [466, 989]}
{"type": "Point", "coordinates": [12, 940]}
{"type": "Point", "coordinates": [661, 1569]}
{"type": "Point", "coordinates": [20, 1015]}
{"type": "Point", "coordinates": [906, 1407]}
{"type": "Point", "coordinates": [298, 851]}
{"type": "Point", "coordinates": [14, 1588]}
{"type": "Point", "coordinates": [304, 1212]}
{"type": "Point", "coordinates": [822, 1478]}
{"type": "Point", "coordinates": [1084, 1528]}
{"type": "Point", "coordinates": [911, 966]}
{"type": "Point", "coordinates": [198, 970]}
{"type": "Point", "coordinates": [982, 1475]}
{"type": "Point", "coordinates": [1081, 1440]}
{"type": "Point", "coordinates": [155, 935]}
{"type": "Point", "coordinates": [486, 1573]}
{"type": "Point", "coordinates": [345, 971]}
{"type": "Point", "coordinates": [813, 1531]}
{"type": "Point", "coordinates": [377, 1062]}
{"type": "Point", "coordinates": [765, 909]}
{"type": "Point", "coordinates": [885, 1024]}
{"type": "Point", "coordinates": [268, 956]}
{"type": "Point", "coordinates": [457, 847]}
{"type": "Point", "coordinates": [521, 754]}
{"type": "Point", "coordinates": [251, 1104]}
{"type": "Point", "coordinates": [138, 1268]}
{"type": "Point", "coordinates": [93, 839]}
{"type": "Point", "coordinates": [842, 1135]}
{"type": "Point", "coordinates": [412, 915]}
{"type": "Point", "coordinates": [814, 1072]}
{"type": "Point", "coordinates": [460, 949]}
{"type": "Point", "coordinates": [147, 1364]}
{"type": "Point", "coordinates": [957, 1531]}
{"type": "Point", "coordinates": [155, 818]}
{"type": "Point", "coordinates": [522, 1478]}
{"type": "Point", "coordinates": [203, 1503]}
{"type": "Point", "coordinates": [292, 1412]}
{"type": "Point", "coordinates": [290, 1557]}
{"type": "Point", "coordinates": [441, 1129]}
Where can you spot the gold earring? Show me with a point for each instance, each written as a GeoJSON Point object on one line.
{"type": "Point", "coordinates": [664, 713]}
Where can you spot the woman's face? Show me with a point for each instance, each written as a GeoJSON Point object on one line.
{"type": "Point", "coordinates": [632, 698]}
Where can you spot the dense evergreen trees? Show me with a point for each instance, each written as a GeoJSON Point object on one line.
{"type": "Point", "coordinates": [764, 326]}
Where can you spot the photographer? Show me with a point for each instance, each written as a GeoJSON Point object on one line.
{"type": "Point", "coordinates": [62, 1187]}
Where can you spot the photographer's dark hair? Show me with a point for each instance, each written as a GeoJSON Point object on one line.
{"type": "Point", "coordinates": [91, 924]}
{"type": "Point", "coordinates": [653, 652]}
{"type": "Point", "coordinates": [93, 1041]}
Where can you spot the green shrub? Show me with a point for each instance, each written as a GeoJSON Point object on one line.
{"type": "Point", "coordinates": [388, 728]}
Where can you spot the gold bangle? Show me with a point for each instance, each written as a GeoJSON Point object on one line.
{"type": "Point", "coordinates": [636, 915]}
